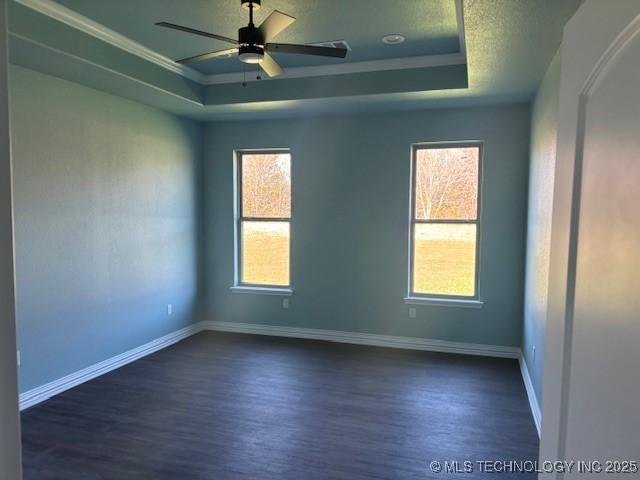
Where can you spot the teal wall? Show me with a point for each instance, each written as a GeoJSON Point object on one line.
{"type": "Point", "coordinates": [544, 131]}
{"type": "Point", "coordinates": [121, 209]}
{"type": "Point", "coordinates": [350, 212]}
{"type": "Point", "coordinates": [106, 224]}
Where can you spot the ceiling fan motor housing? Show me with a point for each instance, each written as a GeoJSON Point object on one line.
{"type": "Point", "coordinates": [250, 35]}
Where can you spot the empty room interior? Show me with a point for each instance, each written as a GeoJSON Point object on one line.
{"type": "Point", "coordinates": [302, 239]}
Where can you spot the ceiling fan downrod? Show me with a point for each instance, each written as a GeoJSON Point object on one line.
{"type": "Point", "coordinates": [251, 5]}
{"type": "Point", "coordinates": [251, 49]}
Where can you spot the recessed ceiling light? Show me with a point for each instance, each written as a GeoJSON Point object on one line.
{"type": "Point", "coordinates": [393, 39]}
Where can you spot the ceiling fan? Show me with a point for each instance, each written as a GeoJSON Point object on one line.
{"type": "Point", "coordinates": [254, 43]}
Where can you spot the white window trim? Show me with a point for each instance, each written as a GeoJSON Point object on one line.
{"type": "Point", "coordinates": [413, 298]}
{"type": "Point", "coordinates": [282, 292]}
{"type": "Point", "coordinates": [444, 302]}
{"type": "Point", "coordinates": [238, 286]}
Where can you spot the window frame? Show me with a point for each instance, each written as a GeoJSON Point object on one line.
{"type": "Point", "coordinates": [434, 298]}
{"type": "Point", "coordinates": [238, 285]}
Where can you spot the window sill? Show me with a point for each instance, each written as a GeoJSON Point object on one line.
{"type": "Point", "coordinates": [444, 302]}
{"type": "Point", "coordinates": [283, 292]}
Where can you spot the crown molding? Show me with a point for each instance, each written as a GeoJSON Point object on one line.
{"type": "Point", "coordinates": [97, 30]}
{"type": "Point", "coordinates": [99, 66]}
{"type": "Point", "coordinates": [401, 63]}
{"type": "Point", "coordinates": [84, 24]}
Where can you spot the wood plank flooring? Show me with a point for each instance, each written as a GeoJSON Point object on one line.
{"type": "Point", "coordinates": [233, 407]}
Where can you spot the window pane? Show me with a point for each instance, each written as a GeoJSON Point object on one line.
{"type": "Point", "coordinates": [444, 260]}
{"type": "Point", "coordinates": [447, 183]}
{"type": "Point", "coordinates": [265, 253]}
{"type": "Point", "coordinates": [266, 185]}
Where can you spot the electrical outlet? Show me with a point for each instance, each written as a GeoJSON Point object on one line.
{"type": "Point", "coordinates": [412, 312]}
{"type": "Point", "coordinates": [285, 303]}
{"type": "Point", "coordinates": [534, 352]}
{"type": "Point", "coordinates": [170, 309]}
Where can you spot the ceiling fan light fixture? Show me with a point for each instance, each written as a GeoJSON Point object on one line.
{"type": "Point", "coordinates": [252, 58]}
{"type": "Point", "coordinates": [251, 54]}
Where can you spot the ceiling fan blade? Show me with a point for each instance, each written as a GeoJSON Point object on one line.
{"type": "Point", "coordinates": [306, 50]}
{"type": "Point", "coordinates": [274, 24]}
{"type": "Point", "coordinates": [207, 56]}
{"type": "Point", "coordinates": [270, 66]}
{"type": "Point", "coordinates": [196, 32]}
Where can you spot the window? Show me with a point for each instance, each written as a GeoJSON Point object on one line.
{"type": "Point", "coordinates": [263, 218]}
{"type": "Point", "coordinates": [445, 229]}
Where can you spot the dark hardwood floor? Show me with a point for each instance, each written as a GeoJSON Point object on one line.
{"type": "Point", "coordinates": [224, 406]}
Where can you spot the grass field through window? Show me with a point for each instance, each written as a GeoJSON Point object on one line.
{"type": "Point", "coordinates": [265, 253]}
{"type": "Point", "coordinates": [445, 259]}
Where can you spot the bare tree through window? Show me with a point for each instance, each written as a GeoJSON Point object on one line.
{"type": "Point", "coordinates": [266, 185]}
{"type": "Point", "coordinates": [447, 183]}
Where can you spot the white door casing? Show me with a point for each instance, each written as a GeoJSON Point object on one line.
{"type": "Point", "coordinates": [9, 417]}
{"type": "Point", "coordinates": [592, 360]}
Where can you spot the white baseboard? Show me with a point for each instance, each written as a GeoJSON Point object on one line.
{"type": "Point", "coordinates": [531, 393]}
{"type": "Point", "coordinates": [48, 390]}
{"type": "Point", "coordinates": [367, 339]}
